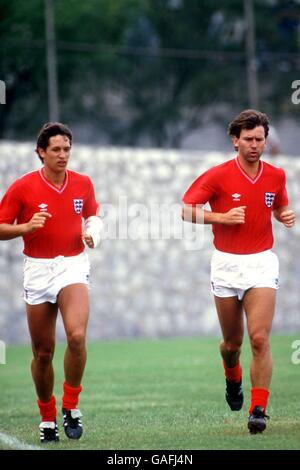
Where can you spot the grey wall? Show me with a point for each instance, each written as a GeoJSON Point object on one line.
{"type": "Point", "coordinates": [145, 287]}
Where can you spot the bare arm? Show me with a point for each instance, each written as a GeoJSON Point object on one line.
{"type": "Point", "coordinates": [10, 231]}
{"type": "Point", "coordinates": [285, 215]}
{"type": "Point", "coordinates": [198, 215]}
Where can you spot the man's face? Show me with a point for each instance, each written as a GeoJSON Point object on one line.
{"type": "Point", "coordinates": [57, 153]}
{"type": "Point", "coordinates": [251, 143]}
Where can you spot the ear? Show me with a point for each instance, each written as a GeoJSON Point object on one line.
{"type": "Point", "coordinates": [235, 142]}
{"type": "Point", "coordinates": [40, 152]}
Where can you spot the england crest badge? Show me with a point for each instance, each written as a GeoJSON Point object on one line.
{"type": "Point", "coordinates": [78, 205]}
{"type": "Point", "coordinates": [269, 199]}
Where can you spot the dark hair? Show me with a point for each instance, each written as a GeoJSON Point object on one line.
{"type": "Point", "coordinates": [248, 119]}
{"type": "Point", "coordinates": [50, 129]}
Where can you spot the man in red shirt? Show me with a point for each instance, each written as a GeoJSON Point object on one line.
{"type": "Point", "coordinates": [243, 193]}
{"type": "Point", "coordinates": [47, 208]}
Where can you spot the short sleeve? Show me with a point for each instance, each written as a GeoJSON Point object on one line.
{"type": "Point", "coordinates": [201, 190]}
{"type": "Point", "coordinates": [281, 198]}
{"type": "Point", "coordinates": [10, 205]}
{"type": "Point", "coordinates": [91, 206]}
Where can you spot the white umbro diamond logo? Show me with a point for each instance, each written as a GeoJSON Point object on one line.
{"type": "Point", "coordinates": [43, 207]}
{"type": "Point", "coordinates": [236, 197]}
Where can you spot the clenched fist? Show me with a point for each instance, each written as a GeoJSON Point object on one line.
{"type": "Point", "coordinates": [88, 240]}
{"type": "Point", "coordinates": [288, 218]}
{"type": "Point", "coordinates": [234, 216]}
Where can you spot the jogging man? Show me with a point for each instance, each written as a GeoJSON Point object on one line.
{"type": "Point", "coordinates": [46, 208]}
{"type": "Point", "coordinates": [243, 193]}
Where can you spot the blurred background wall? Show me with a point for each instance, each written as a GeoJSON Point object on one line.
{"type": "Point", "coordinates": [148, 88]}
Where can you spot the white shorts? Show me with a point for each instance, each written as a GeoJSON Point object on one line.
{"type": "Point", "coordinates": [45, 277]}
{"type": "Point", "coordinates": [232, 275]}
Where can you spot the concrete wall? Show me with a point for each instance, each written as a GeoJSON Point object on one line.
{"type": "Point", "coordinates": [142, 286]}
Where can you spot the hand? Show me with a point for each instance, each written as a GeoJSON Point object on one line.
{"type": "Point", "coordinates": [88, 240]}
{"type": "Point", "coordinates": [37, 221]}
{"type": "Point", "coordinates": [233, 217]}
{"type": "Point", "coordinates": [288, 218]}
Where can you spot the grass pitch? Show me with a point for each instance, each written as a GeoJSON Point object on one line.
{"type": "Point", "coordinates": [155, 394]}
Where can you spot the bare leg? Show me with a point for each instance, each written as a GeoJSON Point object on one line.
{"type": "Point", "coordinates": [41, 322]}
{"type": "Point", "coordinates": [230, 315]}
{"type": "Point", "coordinates": [73, 302]}
{"type": "Point", "coordinates": [259, 305]}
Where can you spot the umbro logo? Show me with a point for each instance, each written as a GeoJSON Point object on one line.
{"type": "Point", "coordinates": [43, 207]}
{"type": "Point", "coordinates": [236, 197]}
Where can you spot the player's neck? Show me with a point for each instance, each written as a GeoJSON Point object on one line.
{"type": "Point", "coordinates": [57, 179]}
{"type": "Point", "coordinates": [251, 168]}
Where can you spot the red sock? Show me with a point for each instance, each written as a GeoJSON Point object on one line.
{"type": "Point", "coordinates": [48, 409]}
{"type": "Point", "coordinates": [234, 374]}
{"type": "Point", "coordinates": [259, 397]}
{"type": "Point", "coordinates": [70, 396]}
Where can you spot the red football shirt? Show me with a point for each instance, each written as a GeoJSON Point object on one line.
{"type": "Point", "coordinates": [226, 186]}
{"type": "Point", "coordinates": [62, 234]}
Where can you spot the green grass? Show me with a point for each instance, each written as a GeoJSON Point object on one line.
{"type": "Point", "coordinates": [156, 394]}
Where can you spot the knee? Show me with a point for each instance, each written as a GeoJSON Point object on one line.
{"type": "Point", "coordinates": [232, 347]}
{"type": "Point", "coordinates": [44, 355]}
{"type": "Point", "coordinates": [76, 341]}
{"type": "Point", "coordinates": [259, 343]}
